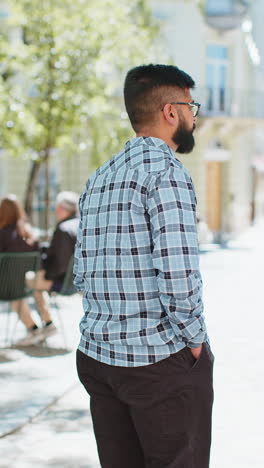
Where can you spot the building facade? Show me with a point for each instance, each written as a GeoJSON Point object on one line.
{"type": "Point", "coordinates": [217, 42]}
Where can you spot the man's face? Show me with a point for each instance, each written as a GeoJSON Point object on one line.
{"type": "Point", "coordinates": [183, 135]}
{"type": "Point", "coordinates": [60, 212]}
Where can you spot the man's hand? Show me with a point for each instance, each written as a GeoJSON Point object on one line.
{"type": "Point", "coordinates": [196, 351]}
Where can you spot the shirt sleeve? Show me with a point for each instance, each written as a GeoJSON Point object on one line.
{"type": "Point", "coordinates": [79, 267]}
{"type": "Point", "coordinates": [171, 206]}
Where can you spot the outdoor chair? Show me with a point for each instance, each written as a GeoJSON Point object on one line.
{"type": "Point", "coordinates": [13, 268]}
{"type": "Point", "coordinates": [67, 289]}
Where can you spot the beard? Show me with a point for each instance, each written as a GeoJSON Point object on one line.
{"type": "Point", "coordinates": [183, 138]}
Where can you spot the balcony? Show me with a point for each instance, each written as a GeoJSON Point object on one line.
{"type": "Point", "coordinates": [225, 15]}
{"type": "Point", "coordinates": [230, 102]}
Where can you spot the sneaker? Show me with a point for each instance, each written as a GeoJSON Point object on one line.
{"type": "Point", "coordinates": [32, 337]}
{"type": "Point", "coordinates": [49, 330]}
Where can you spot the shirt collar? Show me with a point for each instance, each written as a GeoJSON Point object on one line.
{"type": "Point", "coordinates": [149, 141]}
{"type": "Point", "coordinates": [73, 216]}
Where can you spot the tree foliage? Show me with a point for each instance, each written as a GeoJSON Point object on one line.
{"type": "Point", "coordinates": [62, 73]}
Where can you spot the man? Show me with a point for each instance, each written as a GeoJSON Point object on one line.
{"type": "Point", "coordinates": [55, 264]}
{"type": "Point", "coordinates": [63, 240]}
{"type": "Point", "coordinates": [144, 356]}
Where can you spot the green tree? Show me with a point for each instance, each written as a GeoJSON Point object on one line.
{"type": "Point", "coordinates": [62, 77]}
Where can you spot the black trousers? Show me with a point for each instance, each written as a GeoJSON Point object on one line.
{"type": "Point", "coordinates": [154, 416]}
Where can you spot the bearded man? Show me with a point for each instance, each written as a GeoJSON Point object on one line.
{"type": "Point", "coordinates": [144, 355]}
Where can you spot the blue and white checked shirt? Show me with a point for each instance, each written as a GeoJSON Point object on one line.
{"type": "Point", "coordinates": [137, 258]}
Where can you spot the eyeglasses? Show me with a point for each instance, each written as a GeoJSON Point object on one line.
{"type": "Point", "coordinates": [195, 106]}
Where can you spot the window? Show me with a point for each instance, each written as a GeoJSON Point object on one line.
{"type": "Point", "coordinates": [3, 12]}
{"type": "Point", "coordinates": [215, 51]}
{"type": "Point", "coordinates": [216, 77]}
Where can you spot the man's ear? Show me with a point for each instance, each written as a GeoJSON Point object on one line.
{"type": "Point", "coordinates": [170, 114]}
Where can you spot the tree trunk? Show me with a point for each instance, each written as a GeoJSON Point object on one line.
{"type": "Point", "coordinates": [47, 194]}
{"type": "Point", "coordinates": [31, 187]}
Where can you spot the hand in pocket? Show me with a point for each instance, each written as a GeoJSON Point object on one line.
{"type": "Point", "coordinates": [196, 351]}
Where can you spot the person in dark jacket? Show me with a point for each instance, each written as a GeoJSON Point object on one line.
{"type": "Point", "coordinates": [63, 240]}
{"type": "Point", "coordinates": [57, 256]}
{"type": "Point", "coordinates": [16, 235]}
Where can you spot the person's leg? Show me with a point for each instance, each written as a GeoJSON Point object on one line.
{"type": "Point", "coordinates": [34, 334]}
{"type": "Point", "coordinates": [171, 404]}
{"type": "Point", "coordinates": [22, 309]}
{"type": "Point", "coordinates": [202, 376]}
{"type": "Point", "coordinates": [40, 285]}
{"type": "Point", "coordinates": [117, 441]}
{"type": "Point", "coordinates": [42, 302]}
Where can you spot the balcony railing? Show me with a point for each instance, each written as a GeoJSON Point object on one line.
{"type": "Point", "coordinates": [225, 14]}
{"type": "Point", "coordinates": [230, 103]}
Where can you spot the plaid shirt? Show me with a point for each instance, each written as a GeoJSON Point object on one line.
{"type": "Point", "coordinates": [137, 258]}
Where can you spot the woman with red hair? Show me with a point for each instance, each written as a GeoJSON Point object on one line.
{"type": "Point", "coordinates": [16, 235]}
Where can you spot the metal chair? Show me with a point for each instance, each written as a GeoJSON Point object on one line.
{"type": "Point", "coordinates": [13, 267]}
{"type": "Point", "coordinates": [67, 289]}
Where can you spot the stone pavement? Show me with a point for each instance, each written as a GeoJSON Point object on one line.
{"type": "Point", "coordinates": [35, 376]}
{"type": "Point", "coordinates": [233, 294]}
{"type": "Point", "coordinates": [41, 383]}
{"type": "Point", "coordinates": [61, 437]}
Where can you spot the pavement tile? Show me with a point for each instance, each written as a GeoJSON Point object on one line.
{"type": "Point", "coordinates": [35, 376]}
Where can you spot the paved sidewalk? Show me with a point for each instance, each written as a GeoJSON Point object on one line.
{"type": "Point", "coordinates": [233, 285]}
{"type": "Point", "coordinates": [35, 376]}
{"type": "Point", "coordinates": [61, 437]}
{"type": "Point", "coordinates": [41, 383]}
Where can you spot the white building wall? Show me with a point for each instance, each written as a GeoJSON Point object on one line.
{"type": "Point", "coordinates": [182, 28]}
{"type": "Point", "coordinates": [187, 35]}
{"type": "Point", "coordinates": [239, 182]}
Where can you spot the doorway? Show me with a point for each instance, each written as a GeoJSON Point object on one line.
{"type": "Point", "coordinates": [214, 183]}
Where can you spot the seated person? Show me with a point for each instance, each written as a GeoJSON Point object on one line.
{"type": "Point", "coordinates": [16, 235]}
{"type": "Point", "coordinates": [58, 254]}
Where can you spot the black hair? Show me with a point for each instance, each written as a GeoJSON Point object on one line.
{"type": "Point", "coordinates": [147, 88]}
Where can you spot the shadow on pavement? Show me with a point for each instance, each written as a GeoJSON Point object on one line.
{"type": "Point", "coordinates": [220, 247]}
{"type": "Point", "coordinates": [234, 247]}
{"type": "Point", "coordinates": [42, 351]}
{"type": "Point", "coordinates": [7, 355]}
{"type": "Point", "coordinates": [18, 378]}
{"type": "Point", "coordinates": [67, 414]}
{"type": "Point", "coordinates": [63, 463]}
